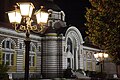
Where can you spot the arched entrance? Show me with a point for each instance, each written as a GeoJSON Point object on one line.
{"type": "Point", "coordinates": [73, 42]}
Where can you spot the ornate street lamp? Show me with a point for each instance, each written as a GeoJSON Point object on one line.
{"type": "Point", "coordinates": [22, 21]}
{"type": "Point", "coordinates": [100, 57]}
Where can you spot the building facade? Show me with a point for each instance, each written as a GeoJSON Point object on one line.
{"type": "Point", "coordinates": [50, 54]}
{"type": "Point", "coordinates": [13, 50]}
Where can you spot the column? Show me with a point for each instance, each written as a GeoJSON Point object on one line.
{"type": "Point", "coordinates": [51, 65]}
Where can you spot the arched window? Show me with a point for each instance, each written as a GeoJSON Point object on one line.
{"type": "Point", "coordinates": [20, 45]}
{"type": "Point", "coordinates": [3, 44]}
{"type": "Point", "coordinates": [8, 43]}
{"type": "Point", "coordinates": [39, 48]}
{"type": "Point", "coordinates": [32, 60]}
{"type": "Point", "coordinates": [69, 45]}
{"type": "Point", "coordinates": [32, 54]}
{"type": "Point", "coordinates": [32, 47]}
{"type": "Point", "coordinates": [8, 58]}
{"type": "Point", "coordinates": [8, 53]}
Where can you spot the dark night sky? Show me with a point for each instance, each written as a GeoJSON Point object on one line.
{"type": "Point", "coordinates": [74, 11]}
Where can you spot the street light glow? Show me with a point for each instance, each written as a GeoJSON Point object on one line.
{"type": "Point", "coordinates": [101, 55]}
{"type": "Point", "coordinates": [105, 55]}
{"type": "Point", "coordinates": [25, 13]}
{"type": "Point", "coordinates": [96, 55]}
{"type": "Point", "coordinates": [26, 8]}
{"type": "Point", "coordinates": [14, 16]}
{"type": "Point", "coordinates": [42, 17]}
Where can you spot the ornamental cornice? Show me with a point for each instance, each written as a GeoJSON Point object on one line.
{"type": "Point", "coordinates": [11, 32]}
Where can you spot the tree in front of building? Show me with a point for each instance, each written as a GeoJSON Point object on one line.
{"type": "Point", "coordinates": [103, 23]}
{"type": "Point", "coordinates": [3, 69]}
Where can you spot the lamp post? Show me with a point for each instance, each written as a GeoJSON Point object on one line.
{"type": "Point", "coordinates": [101, 56]}
{"type": "Point", "coordinates": [22, 22]}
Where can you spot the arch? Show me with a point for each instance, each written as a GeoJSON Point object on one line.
{"type": "Point", "coordinates": [32, 47]}
{"type": "Point", "coordinates": [8, 53]}
{"type": "Point", "coordinates": [69, 45]}
{"type": "Point", "coordinates": [77, 33]}
{"type": "Point", "coordinates": [32, 55]}
{"type": "Point", "coordinates": [10, 41]}
{"type": "Point", "coordinates": [74, 36]}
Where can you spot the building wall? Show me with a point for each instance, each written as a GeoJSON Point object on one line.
{"type": "Point", "coordinates": [52, 55]}
{"type": "Point", "coordinates": [81, 57]}
{"type": "Point", "coordinates": [17, 41]}
{"type": "Point", "coordinates": [49, 47]}
{"type": "Point", "coordinates": [89, 60]}
{"type": "Point", "coordinates": [58, 53]}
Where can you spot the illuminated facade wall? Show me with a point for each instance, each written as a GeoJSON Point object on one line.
{"type": "Point", "coordinates": [49, 55]}
{"type": "Point", "coordinates": [58, 53]}
{"type": "Point", "coordinates": [77, 55]}
{"type": "Point", "coordinates": [13, 50]}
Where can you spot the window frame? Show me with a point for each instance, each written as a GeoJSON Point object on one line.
{"type": "Point", "coordinates": [10, 42]}
{"type": "Point", "coordinates": [4, 60]}
{"type": "Point", "coordinates": [32, 55]}
{"type": "Point", "coordinates": [8, 50]}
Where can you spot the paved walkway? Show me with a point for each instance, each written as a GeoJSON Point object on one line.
{"type": "Point", "coordinates": [78, 75]}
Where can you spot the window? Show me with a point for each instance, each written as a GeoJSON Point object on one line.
{"type": "Point", "coordinates": [8, 58]}
{"type": "Point", "coordinates": [12, 59]}
{"type": "Point", "coordinates": [64, 48]}
{"type": "Point", "coordinates": [3, 44]}
{"type": "Point", "coordinates": [3, 59]}
{"type": "Point", "coordinates": [8, 43]}
{"type": "Point", "coordinates": [32, 55]}
{"type": "Point", "coordinates": [89, 66]}
{"type": "Point", "coordinates": [12, 46]}
{"type": "Point", "coordinates": [39, 49]}
{"type": "Point", "coordinates": [69, 44]}
{"type": "Point", "coordinates": [32, 60]}
{"type": "Point", "coordinates": [81, 52]}
{"type": "Point", "coordinates": [32, 47]}
{"type": "Point", "coordinates": [20, 46]}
